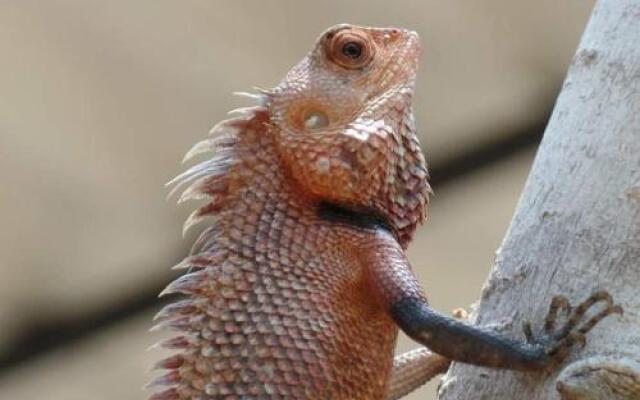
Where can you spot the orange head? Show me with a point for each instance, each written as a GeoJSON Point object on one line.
{"type": "Point", "coordinates": [344, 126]}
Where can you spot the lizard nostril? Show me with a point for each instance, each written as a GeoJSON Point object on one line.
{"type": "Point", "coordinates": [391, 35]}
{"type": "Point", "coordinates": [316, 120]}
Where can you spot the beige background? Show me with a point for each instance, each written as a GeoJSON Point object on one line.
{"type": "Point", "coordinates": [99, 100]}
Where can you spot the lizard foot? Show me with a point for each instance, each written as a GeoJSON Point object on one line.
{"type": "Point", "coordinates": [558, 343]}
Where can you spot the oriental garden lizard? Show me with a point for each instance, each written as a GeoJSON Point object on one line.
{"type": "Point", "coordinates": [299, 286]}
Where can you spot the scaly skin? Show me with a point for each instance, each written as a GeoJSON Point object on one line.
{"type": "Point", "coordinates": [298, 288]}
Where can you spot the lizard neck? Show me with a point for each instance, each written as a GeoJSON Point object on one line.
{"type": "Point", "coordinates": [246, 178]}
{"type": "Point", "coordinates": [370, 166]}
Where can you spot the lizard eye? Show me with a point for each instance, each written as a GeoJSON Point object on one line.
{"type": "Point", "coordinates": [350, 49]}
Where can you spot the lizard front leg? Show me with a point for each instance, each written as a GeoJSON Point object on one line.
{"type": "Point", "coordinates": [397, 289]}
{"type": "Point", "coordinates": [416, 367]}
{"type": "Point", "coordinates": [473, 345]}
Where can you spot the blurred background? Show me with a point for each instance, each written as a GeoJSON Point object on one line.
{"type": "Point", "coordinates": [99, 100]}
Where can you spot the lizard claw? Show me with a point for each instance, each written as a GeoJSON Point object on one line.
{"type": "Point", "coordinates": [576, 316]}
{"type": "Point", "coordinates": [557, 344]}
{"type": "Point", "coordinates": [557, 303]}
{"type": "Point", "coordinates": [528, 332]}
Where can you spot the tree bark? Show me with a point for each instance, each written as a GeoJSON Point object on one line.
{"type": "Point", "coordinates": [577, 226]}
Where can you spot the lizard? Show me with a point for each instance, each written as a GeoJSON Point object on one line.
{"type": "Point", "coordinates": [300, 285]}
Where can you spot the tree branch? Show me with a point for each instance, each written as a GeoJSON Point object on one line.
{"type": "Point", "coordinates": [577, 226]}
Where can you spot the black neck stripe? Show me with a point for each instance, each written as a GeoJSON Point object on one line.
{"type": "Point", "coordinates": [363, 219]}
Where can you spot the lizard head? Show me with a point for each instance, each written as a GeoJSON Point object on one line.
{"type": "Point", "coordinates": [344, 126]}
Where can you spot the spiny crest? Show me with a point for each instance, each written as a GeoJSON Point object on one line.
{"type": "Point", "coordinates": [211, 179]}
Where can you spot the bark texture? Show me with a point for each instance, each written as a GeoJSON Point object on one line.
{"type": "Point", "coordinates": [577, 226]}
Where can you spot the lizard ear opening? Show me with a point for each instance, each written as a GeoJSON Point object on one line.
{"type": "Point", "coordinates": [308, 115]}
{"type": "Point", "coordinates": [315, 119]}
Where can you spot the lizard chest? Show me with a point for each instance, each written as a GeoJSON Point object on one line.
{"type": "Point", "coordinates": [288, 321]}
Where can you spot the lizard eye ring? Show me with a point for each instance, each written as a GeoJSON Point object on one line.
{"type": "Point", "coordinates": [350, 49]}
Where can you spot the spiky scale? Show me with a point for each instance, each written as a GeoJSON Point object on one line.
{"type": "Point", "coordinates": [168, 394]}
{"type": "Point", "coordinates": [173, 362]}
{"type": "Point", "coordinates": [177, 342]}
{"type": "Point", "coordinates": [191, 283]}
{"type": "Point", "coordinates": [168, 379]}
